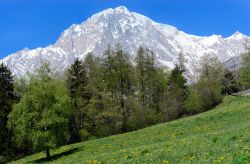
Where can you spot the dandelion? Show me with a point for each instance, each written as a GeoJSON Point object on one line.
{"type": "Point", "coordinates": [93, 162]}
{"type": "Point", "coordinates": [218, 160]}
{"type": "Point", "coordinates": [221, 158]}
{"type": "Point", "coordinates": [246, 148]}
{"type": "Point", "coordinates": [165, 162]}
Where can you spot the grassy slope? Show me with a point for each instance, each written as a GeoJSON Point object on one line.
{"type": "Point", "coordinates": [221, 135]}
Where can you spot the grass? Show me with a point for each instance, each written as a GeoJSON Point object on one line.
{"type": "Point", "coordinates": [221, 135]}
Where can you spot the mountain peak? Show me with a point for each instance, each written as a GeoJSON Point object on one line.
{"type": "Point", "coordinates": [110, 12]}
{"type": "Point", "coordinates": [237, 36]}
{"type": "Point", "coordinates": [121, 9]}
{"type": "Point", "coordinates": [237, 33]}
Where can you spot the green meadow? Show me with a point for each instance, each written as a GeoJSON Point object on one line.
{"type": "Point", "coordinates": [221, 135]}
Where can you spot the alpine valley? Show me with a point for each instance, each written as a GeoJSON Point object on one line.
{"type": "Point", "coordinates": [131, 30]}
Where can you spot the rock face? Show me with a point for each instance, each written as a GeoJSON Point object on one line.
{"type": "Point", "coordinates": [131, 30]}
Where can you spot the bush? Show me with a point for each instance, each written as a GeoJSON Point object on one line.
{"type": "Point", "coordinates": [2, 159]}
{"type": "Point", "coordinates": [108, 123]}
{"type": "Point", "coordinates": [203, 96]}
{"type": "Point", "coordinates": [193, 104]}
{"type": "Point", "coordinates": [84, 135]}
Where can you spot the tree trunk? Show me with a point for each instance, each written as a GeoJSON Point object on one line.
{"type": "Point", "coordinates": [47, 154]}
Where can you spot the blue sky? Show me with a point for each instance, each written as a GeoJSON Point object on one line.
{"type": "Point", "coordinates": [38, 23]}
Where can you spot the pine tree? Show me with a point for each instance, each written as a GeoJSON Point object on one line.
{"type": "Point", "coordinates": [152, 80]}
{"type": "Point", "coordinates": [108, 71]}
{"type": "Point", "coordinates": [141, 74]}
{"type": "Point", "coordinates": [177, 80]}
{"type": "Point", "coordinates": [175, 94]}
{"type": "Point", "coordinates": [229, 83]}
{"type": "Point", "coordinates": [123, 72]}
{"type": "Point", "coordinates": [76, 82]}
{"type": "Point", "coordinates": [118, 78]}
{"type": "Point", "coordinates": [76, 78]}
{"type": "Point", "coordinates": [147, 76]}
{"type": "Point", "coordinates": [7, 98]}
{"type": "Point", "coordinates": [93, 73]}
{"type": "Point", "coordinates": [93, 97]}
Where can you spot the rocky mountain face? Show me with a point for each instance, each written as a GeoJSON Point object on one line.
{"type": "Point", "coordinates": [131, 30]}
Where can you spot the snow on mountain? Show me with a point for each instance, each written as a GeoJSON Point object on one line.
{"type": "Point", "coordinates": [131, 30]}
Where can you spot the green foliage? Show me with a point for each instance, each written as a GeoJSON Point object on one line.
{"type": "Point", "coordinates": [76, 81]}
{"type": "Point", "coordinates": [229, 83]}
{"type": "Point", "coordinates": [95, 84]}
{"type": "Point", "coordinates": [20, 85]}
{"type": "Point", "coordinates": [210, 68]}
{"type": "Point", "coordinates": [217, 136]}
{"type": "Point", "coordinates": [7, 98]}
{"type": "Point", "coordinates": [84, 135]}
{"type": "Point", "coordinates": [76, 78]}
{"type": "Point", "coordinates": [175, 94]}
{"type": "Point", "coordinates": [245, 70]}
{"type": "Point", "coordinates": [146, 73]}
{"type": "Point", "coordinates": [118, 78]}
{"type": "Point", "coordinates": [41, 115]}
{"type": "Point", "coordinates": [110, 95]}
{"type": "Point", "coordinates": [207, 92]}
{"type": "Point", "coordinates": [177, 80]}
{"type": "Point", "coordinates": [193, 104]}
{"type": "Point", "coordinates": [103, 118]}
{"type": "Point", "coordinates": [113, 101]}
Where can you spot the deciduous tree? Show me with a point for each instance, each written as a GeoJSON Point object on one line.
{"type": "Point", "coordinates": [41, 116]}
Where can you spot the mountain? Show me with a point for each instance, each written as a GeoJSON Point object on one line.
{"type": "Point", "coordinates": [131, 30]}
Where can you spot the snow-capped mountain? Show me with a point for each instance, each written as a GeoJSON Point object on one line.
{"type": "Point", "coordinates": [131, 30]}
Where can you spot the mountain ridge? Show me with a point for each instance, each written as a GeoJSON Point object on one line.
{"type": "Point", "coordinates": [131, 30]}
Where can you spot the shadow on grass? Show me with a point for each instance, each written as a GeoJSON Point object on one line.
{"type": "Point", "coordinates": [59, 155]}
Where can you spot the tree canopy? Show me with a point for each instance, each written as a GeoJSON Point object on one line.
{"type": "Point", "coordinates": [41, 115]}
{"type": "Point", "coordinates": [7, 98]}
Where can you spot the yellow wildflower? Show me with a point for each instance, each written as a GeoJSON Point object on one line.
{"type": "Point", "coordinates": [93, 162]}
{"type": "Point", "coordinates": [165, 162]}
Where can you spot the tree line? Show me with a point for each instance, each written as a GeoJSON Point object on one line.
{"type": "Point", "coordinates": [103, 96]}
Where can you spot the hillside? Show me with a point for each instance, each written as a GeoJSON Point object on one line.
{"type": "Point", "coordinates": [221, 135]}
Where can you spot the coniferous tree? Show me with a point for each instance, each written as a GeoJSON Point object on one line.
{"type": "Point", "coordinates": [7, 98]}
{"type": "Point", "coordinates": [93, 73]}
{"type": "Point", "coordinates": [176, 94]}
{"type": "Point", "coordinates": [229, 83]}
{"type": "Point", "coordinates": [147, 76]}
{"type": "Point", "coordinates": [94, 97]}
{"type": "Point", "coordinates": [108, 72]}
{"type": "Point", "coordinates": [141, 74]}
{"type": "Point", "coordinates": [124, 82]}
{"type": "Point", "coordinates": [152, 80]}
{"type": "Point", "coordinates": [76, 82]}
{"type": "Point", "coordinates": [118, 78]}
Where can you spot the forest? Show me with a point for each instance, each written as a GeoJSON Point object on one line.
{"type": "Point", "coordinates": [103, 96]}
